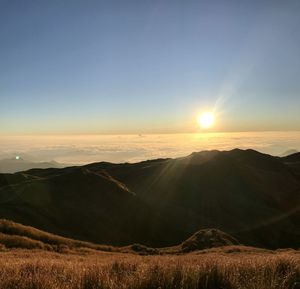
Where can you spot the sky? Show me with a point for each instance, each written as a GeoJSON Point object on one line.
{"type": "Point", "coordinates": [96, 67]}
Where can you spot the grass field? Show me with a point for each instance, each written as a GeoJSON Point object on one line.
{"type": "Point", "coordinates": [36, 269]}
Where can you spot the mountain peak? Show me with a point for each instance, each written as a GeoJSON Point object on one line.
{"type": "Point", "coordinates": [206, 239]}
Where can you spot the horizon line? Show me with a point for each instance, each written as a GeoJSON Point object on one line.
{"type": "Point", "coordinates": [145, 133]}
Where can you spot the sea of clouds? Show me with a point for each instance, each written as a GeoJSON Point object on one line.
{"type": "Point", "coordinates": [81, 149]}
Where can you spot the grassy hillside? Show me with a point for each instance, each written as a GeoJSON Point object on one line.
{"type": "Point", "coordinates": [14, 235]}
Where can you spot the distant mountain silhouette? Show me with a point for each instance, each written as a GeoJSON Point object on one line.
{"type": "Point", "coordinates": [18, 164]}
{"type": "Point", "coordinates": [293, 158]}
{"type": "Point", "coordinates": [289, 152]}
{"type": "Point", "coordinates": [254, 197]}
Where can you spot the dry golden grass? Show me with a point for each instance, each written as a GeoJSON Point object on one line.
{"type": "Point", "coordinates": [15, 235]}
{"type": "Point", "coordinates": [29, 269]}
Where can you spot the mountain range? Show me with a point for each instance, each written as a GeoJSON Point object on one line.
{"type": "Point", "coordinates": [254, 197]}
{"type": "Point", "coordinates": [18, 164]}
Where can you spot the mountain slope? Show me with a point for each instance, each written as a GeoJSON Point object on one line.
{"type": "Point", "coordinates": [248, 194]}
{"type": "Point", "coordinates": [252, 196]}
{"type": "Point", "coordinates": [74, 202]}
{"type": "Point", "coordinates": [15, 235]}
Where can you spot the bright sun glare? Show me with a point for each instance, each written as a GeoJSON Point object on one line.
{"type": "Point", "coordinates": [206, 120]}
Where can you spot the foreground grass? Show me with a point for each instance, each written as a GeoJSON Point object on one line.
{"type": "Point", "coordinates": [21, 269]}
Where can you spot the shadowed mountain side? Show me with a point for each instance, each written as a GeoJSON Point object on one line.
{"type": "Point", "coordinates": [252, 196]}
{"type": "Point", "coordinates": [293, 161]}
{"type": "Point", "coordinates": [77, 203]}
{"type": "Point", "coordinates": [293, 158]}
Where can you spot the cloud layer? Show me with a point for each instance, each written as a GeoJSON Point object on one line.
{"type": "Point", "coordinates": [80, 149]}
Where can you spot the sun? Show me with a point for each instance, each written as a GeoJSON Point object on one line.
{"type": "Point", "coordinates": [206, 120]}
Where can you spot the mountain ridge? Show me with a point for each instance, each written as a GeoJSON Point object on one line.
{"type": "Point", "coordinates": [18, 164]}
{"type": "Point", "coordinates": [252, 196]}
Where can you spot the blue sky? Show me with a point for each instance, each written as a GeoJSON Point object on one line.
{"type": "Point", "coordinates": [70, 66]}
